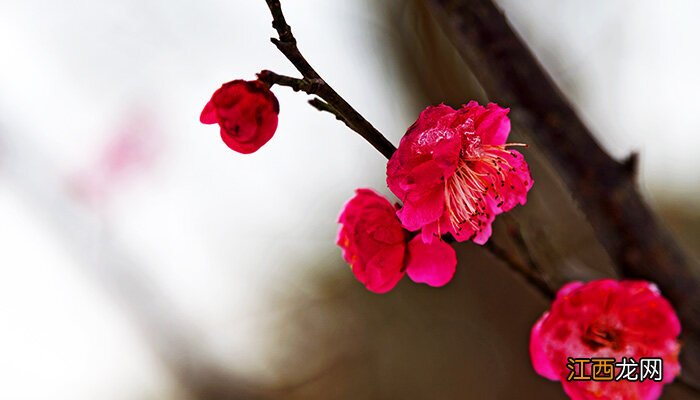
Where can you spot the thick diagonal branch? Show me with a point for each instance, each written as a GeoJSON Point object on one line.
{"type": "Point", "coordinates": [604, 188]}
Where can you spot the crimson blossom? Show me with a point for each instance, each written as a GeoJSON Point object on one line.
{"type": "Point", "coordinates": [380, 251]}
{"type": "Point", "coordinates": [607, 319]}
{"type": "Point", "coordinates": [246, 112]}
{"type": "Point", "coordinates": [454, 172]}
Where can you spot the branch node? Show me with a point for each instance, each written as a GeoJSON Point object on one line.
{"type": "Point", "coordinates": [321, 105]}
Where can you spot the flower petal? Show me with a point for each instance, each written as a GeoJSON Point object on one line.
{"type": "Point", "coordinates": [607, 318]}
{"type": "Point", "coordinates": [430, 263]}
{"type": "Point", "coordinates": [372, 240]}
{"type": "Point", "coordinates": [208, 115]}
{"type": "Point", "coordinates": [427, 209]}
{"type": "Point", "coordinates": [424, 199]}
{"type": "Point", "coordinates": [247, 113]}
{"type": "Point", "coordinates": [384, 270]}
{"type": "Point", "coordinates": [453, 170]}
{"type": "Point", "coordinates": [494, 125]}
{"type": "Point", "coordinates": [538, 355]}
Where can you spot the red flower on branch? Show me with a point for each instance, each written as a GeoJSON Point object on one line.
{"type": "Point", "coordinates": [247, 113]}
{"type": "Point", "coordinates": [607, 319]}
{"type": "Point", "coordinates": [379, 251]}
{"type": "Point", "coordinates": [454, 172]}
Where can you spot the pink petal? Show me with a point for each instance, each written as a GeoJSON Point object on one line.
{"type": "Point", "coordinates": [431, 263]}
{"type": "Point", "coordinates": [384, 270]}
{"type": "Point", "coordinates": [652, 392]}
{"type": "Point", "coordinates": [395, 175]}
{"type": "Point", "coordinates": [425, 199]}
{"type": "Point", "coordinates": [483, 236]}
{"type": "Point", "coordinates": [641, 319]}
{"type": "Point", "coordinates": [429, 117]}
{"type": "Point", "coordinates": [434, 230]}
{"type": "Point", "coordinates": [495, 125]}
{"type": "Point", "coordinates": [569, 288]}
{"type": "Point", "coordinates": [415, 215]}
{"type": "Point", "coordinates": [446, 153]}
{"type": "Point", "coordinates": [538, 355]}
{"type": "Point", "coordinates": [208, 115]}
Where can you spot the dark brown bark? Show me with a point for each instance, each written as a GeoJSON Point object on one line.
{"type": "Point", "coordinates": [604, 188]}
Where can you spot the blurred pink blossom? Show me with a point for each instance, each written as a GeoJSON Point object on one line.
{"type": "Point", "coordinates": [129, 152]}
{"type": "Point", "coordinates": [607, 319]}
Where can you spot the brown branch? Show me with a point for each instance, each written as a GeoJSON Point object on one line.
{"type": "Point", "coordinates": [604, 188]}
{"type": "Point", "coordinates": [306, 85]}
{"type": "Point", "coordinates": [287, 45]}
{"type": "Point", "coordinates": [530, 271]}
{"type": "Point", "coordinates": [531, 275]}
{"type": "Point", "coordinates": [321, 105]}
{"type": "Point", "coordinates": [516, 234]}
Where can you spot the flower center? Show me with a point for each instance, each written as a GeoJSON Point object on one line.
{"type": "Point", "coordinates": [599, 335]}
{"type": "Point", "coordinates": [481, 169]}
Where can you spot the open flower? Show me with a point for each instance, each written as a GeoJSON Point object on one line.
{"type": "Point", "coordinates": [454, 172]}
{"type": "Point", "coordinates": [607, 319]}
{"type": "Point", "coordinates": [379, 251]}
{"type": "Point", "coordinates": [246, 111]}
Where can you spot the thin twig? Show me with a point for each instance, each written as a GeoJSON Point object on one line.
{"type": "Point", "coordinates": [531, 275]}
{"type": "Point", "coordinates": [323, 106]}
{"type": "Point", "coordinates": [306, 85]}
{"type": "Point", "coordinates": [516, 234]}
{"type": "Point", "coordinates": [287, 45]}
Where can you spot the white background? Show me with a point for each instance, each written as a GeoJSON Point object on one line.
{"type": "Point", "coordinates": [214, 234]}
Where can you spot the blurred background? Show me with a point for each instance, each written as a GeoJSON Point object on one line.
{"type": "Point", "coordinates": [143, 259]}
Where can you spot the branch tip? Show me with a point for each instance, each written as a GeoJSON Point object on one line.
{"type": "Point", "coordinates": [312, 83]}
